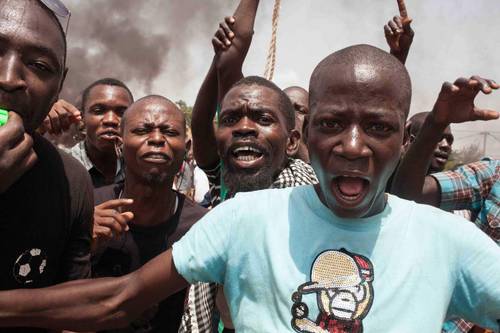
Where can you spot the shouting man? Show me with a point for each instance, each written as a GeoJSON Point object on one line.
{"type": "Point", "coordinates": [344, 235]}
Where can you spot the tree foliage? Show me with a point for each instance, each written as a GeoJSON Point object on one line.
{"type": "Point", "coordinates": [187, 110]}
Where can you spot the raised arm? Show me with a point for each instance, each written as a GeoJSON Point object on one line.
{"type": "Point", "coordinates": [204, 109]}
{"type": "Point", "coordinates": [231, 43]}
{"type": "Point", "coordinates": [455, 104]}
{"type": "Point", "coordinates": [95, 304]}
{"type": "Point", "coordinates": [399, 34]}
{"type": "Point", "coordinates": [230, 61]}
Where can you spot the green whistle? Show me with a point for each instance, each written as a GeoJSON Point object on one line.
{"type": "Point", "coordinates": [4, 116]}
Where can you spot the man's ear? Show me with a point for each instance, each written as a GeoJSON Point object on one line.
{"type": "Point", "coordinates": [305, 129]}
{"type": "Point", "coordinates": [292, 146]}
{"type": "Point", "coordinates": [407, 138]}
{"type": "Point", "coordinates": [189, 142]}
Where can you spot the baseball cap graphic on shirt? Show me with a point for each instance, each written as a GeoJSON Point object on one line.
{"type": "Point", "coordinates": [342, 282]}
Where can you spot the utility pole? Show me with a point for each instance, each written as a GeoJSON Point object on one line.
{"type": "Point", "coordinates": [485, 139]}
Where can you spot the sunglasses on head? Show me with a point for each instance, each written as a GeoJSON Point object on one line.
{"type": "Point", "coordinates": [60, 11]}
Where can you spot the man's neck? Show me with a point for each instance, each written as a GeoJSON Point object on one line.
{"type": "Point", "coordinates": [105, 162]}
{"type": "Point", "coordinates": [154, 203]}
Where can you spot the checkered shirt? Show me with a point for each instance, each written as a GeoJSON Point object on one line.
{"type": "Point", "coordinates": [98, 180]}
{"type": "Point", "coordinates": [457, 326]}
{"type": "Point", "coordinates": [200, 304]}
{"type": "Point", "coordinates": [474, 187]}
{"type": "Point", "coordinates": [472, 191]}
{"type": "Point", "coordinates": [296, 173]}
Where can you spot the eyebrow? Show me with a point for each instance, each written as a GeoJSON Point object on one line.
{"type": "Point", "coordinates": [152, 124]}
{"type": "Point", "coordinates": [380, 113]}
{"type": "Point", "coordinates": [33, 47]}
{"type": "Point", "coordinates": [37, 48]}
{"type": "Point", "coordinates": [251, 108]}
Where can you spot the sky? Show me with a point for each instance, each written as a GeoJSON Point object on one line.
{"type": "Point", "coordinates": [164, 46]}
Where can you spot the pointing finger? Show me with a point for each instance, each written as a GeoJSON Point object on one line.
{"type": "Point", "coordinates": [402, 8]}
{"type": "Point", "coordinates": [116, 203]}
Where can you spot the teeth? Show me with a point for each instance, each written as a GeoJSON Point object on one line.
{"type": "Point", "coordinates": [246, 158]}
{"type": "Point", "coordinates": [247, 148]}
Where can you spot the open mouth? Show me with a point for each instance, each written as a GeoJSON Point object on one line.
{"type": "Point", "coordinates": [441, 157]}
{"type": "Point", "coordinates": [110, 135]}
{"type": "Point", "coordinates": [247, 156]}
{"type": "Point", "coordinates": [156, 157]}
{"type": "Point", "coordinates": [350, 189]}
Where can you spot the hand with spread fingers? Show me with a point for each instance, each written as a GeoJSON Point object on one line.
{"type": "Point", "coordinates": [455, 103]}
{"type": "Point", "coordinates": [109, 223]}
{"type": "Point", "coordinates": [399, 34]}
{"type": "Point", "coordinates": [16, 152]}
{"type": "Point", "coordinates": [61, 116]}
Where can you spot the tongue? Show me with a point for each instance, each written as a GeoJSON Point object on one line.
{"type": "Point", "coordinates": [350, 186]}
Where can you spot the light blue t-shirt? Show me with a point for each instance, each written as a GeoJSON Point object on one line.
{"type": "Point", "coordinates": [289, 265]}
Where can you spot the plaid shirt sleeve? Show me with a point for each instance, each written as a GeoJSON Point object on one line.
{"type": "Point", "coordinates": [474, 187]}
{"type": "Point", "coordinates": [200, 302]}
{"type": "Point", "coordinates": [457, 326]}
{"type": "Point", "coordinates": [198, 311]}
{"type": "Point", "coordinates": [468, 186]}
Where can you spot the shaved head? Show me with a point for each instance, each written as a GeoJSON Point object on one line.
{"type": "Point", "coordinates": [366, 71]}
{"type": "Point", "coordinates": [296, 89]}
{"type": "Point", "coordinates": [154, 140]}
{"type": "Point", "coordinates": [149, 101]}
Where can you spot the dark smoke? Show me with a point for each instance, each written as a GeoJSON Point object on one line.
{"type": "Point", "coordinates": [133, 40]}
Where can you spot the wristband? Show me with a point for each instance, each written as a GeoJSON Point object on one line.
{"type": "Point", "coordinates": [4, 116]}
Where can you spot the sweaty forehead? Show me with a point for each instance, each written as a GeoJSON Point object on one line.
{"type": "Point", "coordinates": [362, 74]}
{"type": "Point", "coordinates": [254, 95]}
{"type": "Point", "coordinates": [154, 111]}
{"type": "Point", "coordinates": [359, 84]}
{"type": "Point", "coordinates": [25, 22]}
{"type": "Point", "coordinates": [107, 94]}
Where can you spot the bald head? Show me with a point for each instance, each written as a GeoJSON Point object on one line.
{"type": "Point", "coordinates": [153, 103]}
{"type": "Point", "coordinates": [153, 134]}
{"type": "Point", "coordinates": [296, 90]}
{"type": "Point", "coordinates": [366, 72]}
{"type": "Point", "coordinates": [299, 98]}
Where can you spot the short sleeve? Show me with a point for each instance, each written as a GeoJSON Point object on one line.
{"type": "Point", "coordinates": [476, 296]}
{"type": "Point", "coordinates": [201, 255]}
{"type": "Point", "coordinates": [466, 187]}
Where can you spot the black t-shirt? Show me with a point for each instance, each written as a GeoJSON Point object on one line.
{"type": "Point", "coordinates": [46, 223]}
{"type": "Point", "coordinates": [138, 246]}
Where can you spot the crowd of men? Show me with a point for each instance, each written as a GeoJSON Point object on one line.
{"type": "Point", "coordinates": [315, 214]}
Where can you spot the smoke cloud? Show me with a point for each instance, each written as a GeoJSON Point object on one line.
{"type": "Point", "coordinates": [132, 40]}
{"type": "Point", "coordinates": [163, 46]}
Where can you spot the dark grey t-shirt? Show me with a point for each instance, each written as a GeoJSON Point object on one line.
{"type": "Point", "coordinates": [138, 246]}
{"type": "Point", "coordinates": [46, 223]}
